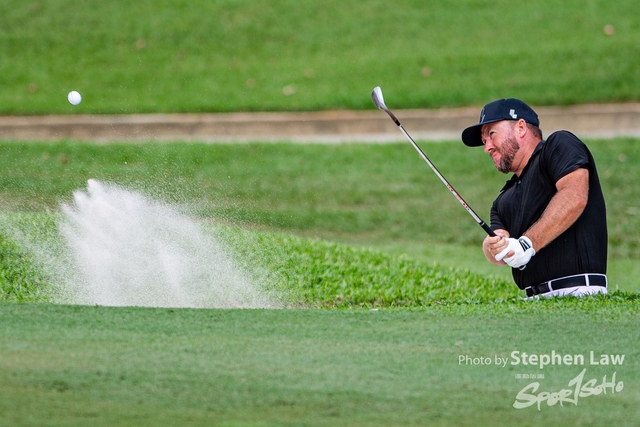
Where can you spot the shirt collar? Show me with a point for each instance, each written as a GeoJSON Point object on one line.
{"type": "Point", "coordinates": [514, 178]}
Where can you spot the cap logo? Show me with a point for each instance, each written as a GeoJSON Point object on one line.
{"type": "Point", "coordinates": [513, 114]}
{"type": "Point", "coordinates": [482, 116]}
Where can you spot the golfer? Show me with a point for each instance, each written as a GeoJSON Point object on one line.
{"type": "Point", "coordinates": [550, 217]}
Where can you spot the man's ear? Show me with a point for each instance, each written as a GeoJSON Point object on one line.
{"type": "Point", "coordinates": [521, 128]}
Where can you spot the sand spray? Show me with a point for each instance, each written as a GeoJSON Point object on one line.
{"type": "Point", "coordinates": [118, 247]}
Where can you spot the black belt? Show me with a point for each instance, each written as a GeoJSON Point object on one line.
{"type": "Point", "coordinates": [568, 282]}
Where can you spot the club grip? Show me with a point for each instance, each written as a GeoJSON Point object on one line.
{"type": "Point", "coordinates": [487, 229]}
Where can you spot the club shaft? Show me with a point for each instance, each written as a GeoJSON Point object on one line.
{"type": "Point", "coordinates": [475, 216]}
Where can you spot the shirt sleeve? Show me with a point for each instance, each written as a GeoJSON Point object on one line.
{"type": "Point", "coordinates": [565, 153]}
{"type": "Point", "coordinates": [496, 222]}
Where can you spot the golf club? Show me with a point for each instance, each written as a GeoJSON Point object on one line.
{"type": "Point", "coordinates": [378, 100]}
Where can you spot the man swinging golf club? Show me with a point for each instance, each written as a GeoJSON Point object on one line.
{"type": "Point", "coordinates": [550, 217]}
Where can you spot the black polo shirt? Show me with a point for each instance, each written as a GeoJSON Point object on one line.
{"type": "Point", "coordinates": [580, 249]}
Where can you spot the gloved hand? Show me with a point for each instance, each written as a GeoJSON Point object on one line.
{"type": "Point", "coordinates": [522, 249]}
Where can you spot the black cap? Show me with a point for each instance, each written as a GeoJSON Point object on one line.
{"type": "Point", "coordinates": [502, 109]}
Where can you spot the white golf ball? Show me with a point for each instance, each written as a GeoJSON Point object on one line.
{"type": "Point", "coordinates": [74, 97]}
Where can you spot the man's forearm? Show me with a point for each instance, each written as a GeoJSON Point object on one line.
{"type": "Point", "coordinates": [563, 210]}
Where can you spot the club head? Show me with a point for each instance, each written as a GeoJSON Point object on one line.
{"type": "Point", "coordinates": [377, 98]}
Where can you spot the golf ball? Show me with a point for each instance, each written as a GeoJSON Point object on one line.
{"type": "Point", "coordinates": [74, 97]}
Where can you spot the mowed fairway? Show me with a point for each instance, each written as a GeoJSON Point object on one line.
{"type": "Point", "coordinates": [64, 365]}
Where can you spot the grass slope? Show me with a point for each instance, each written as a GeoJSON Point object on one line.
{"type": "Point", "coordinates": [313, 273]}
{"type": "Point", "coordinates": [189, 56]}
{"type": "Point", "coordinates": [379, 196]}
{"type": "Point", "coordinates": [64, 365]}
{"type": "Point", "coordinates": [20, 280]}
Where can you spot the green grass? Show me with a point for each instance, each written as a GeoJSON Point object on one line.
{"type": "Point", "coordinates": [349, 226]}
{"type": "Point", "coordinates": [191, 56]}
{"type": "Point", "coordinates": [355, 226]}
{"type": "Point", "coordinates": [302, 272]}
{"type": "Point", "coordinates": [66, 365]}
{"type": "Point", "coordinates": [376, 196]}
{"type": "Point", "coordinates": [20, 280]}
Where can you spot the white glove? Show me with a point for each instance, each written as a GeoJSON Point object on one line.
{"type": "Point", "coordinates": [523, 251]}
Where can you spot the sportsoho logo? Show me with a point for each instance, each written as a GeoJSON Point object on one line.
{"type": "Point", "coordinates": [579, 387]}
{"type": "Point", "coordinates": [576, 388]}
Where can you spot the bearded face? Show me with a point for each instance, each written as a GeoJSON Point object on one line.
{"type": "Point", "coordinates": [507, 152]}
{"type": "Point", "coordinates": [500, 143]}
